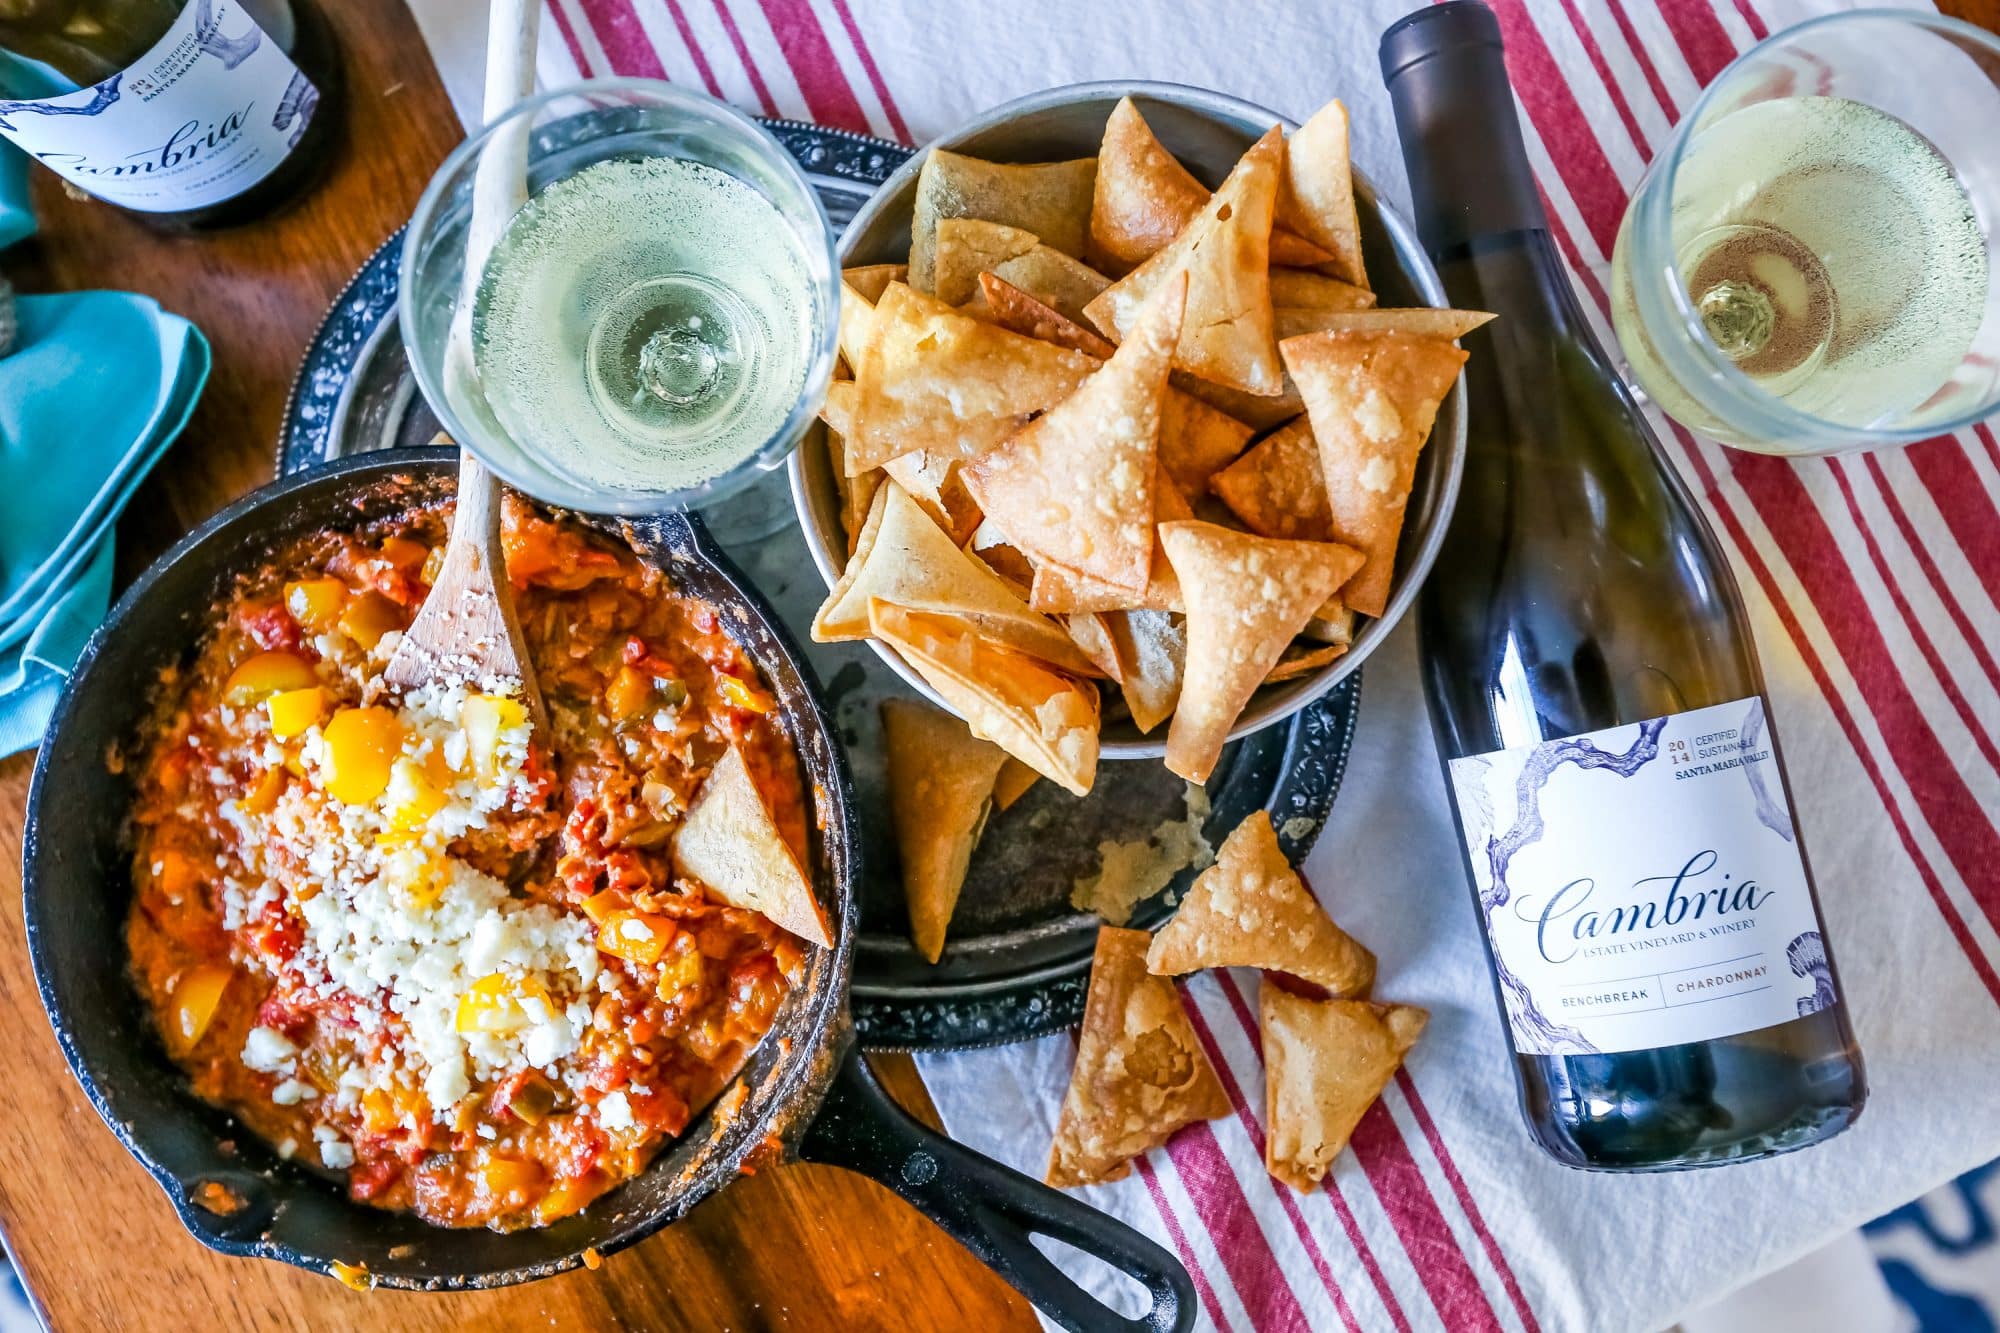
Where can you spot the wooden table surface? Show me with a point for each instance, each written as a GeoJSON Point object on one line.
{"type": "Point", "coordinates": [799, 1247]}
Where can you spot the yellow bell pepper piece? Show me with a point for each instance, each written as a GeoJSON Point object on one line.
{"type": "Point", "coordinates": [361, 749]}
{"type": "Point", "coordinates": [294, 712]}
{"type": "Point", "coordinates": [637, 937]}
{"type": "Point", "coordinates": [263, 674]}
{"type": "Point", "coordinates": [742, 695]}
{"type": "Point", "coordinates": [484, 717]}
{"type": "Point", "coordinates": [316, 603]}
{"type": "Point", "coordinates": [196, 995]}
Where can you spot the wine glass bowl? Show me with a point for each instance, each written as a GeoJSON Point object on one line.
{"type": "Point", "coordinates": [656, 327]}
{"type": "Point", "coordinates": [1809, 266]}
{"type": "Point", "coordinates": [1207, 131]}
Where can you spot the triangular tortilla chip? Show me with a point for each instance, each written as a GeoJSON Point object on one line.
{"type": "Point", "coordinates": [1075, 486]}
{"type": "Point", "coordinates": [1416, 321]}
{"type": "Point", "coordinates": [940, 786]}
{"type": "Point", "coordinates": [991, 548]}
{"type": "Point", "coordinates": [1325, 1063]}
{"type": "Point", "coordinates": [1251, 909]}
{"type": "Point", "coordinates": [1012, 308]}
{"type": "Point", "coordinates": [1145, 196]}
{"type": "Point", "coordinates": [935, 484]}
{"type": "Point", "coordinates": [1140, 1071]}
{"type": "Point", "coordinates": [1260, 412]}
{"type": "Point", "coordinates": [1247, 597]}
{"type": "Point", "coordinates": [1316, 199]}
{"type": "Point", "coordinates": [1093, 639]}
{"type": "Point", "coordinates": [1058, 589]}
{"type": "Point", "coordinates": [935, 380]}
{"type": "Point", "coordinates": [1225, 252]}
{"type": "Point", "coordinates": [1372, 399]}
{"type": "Point", "coordinates": [905, 558]}
{"type": "Point", "coordinates": [1197, 441]}
{"type": "Point", "coordinates": [1297, 289]}
{"type": "Point", "coordinates": [1013, 783]}
{"type": "Point", "coordinates": [1276, 488]}
{"type": "Point", "coordinates": [967, 247]}
{"type": "Point", "coordinates": [857, 494]}
{"type": "Point", "coordinates": [1152, 657]}
{"type": "Point", "coordinates": [870, 280]}
{"type": "Point", "coordinates": [1332, 624]}
{"type": "Point", "coordinates": [1302, 659]}
{"type": "Point", "coordinates": [857, 323]}
{"type": "Point", "coordinates": [1050, 199]}
{"type": "Point", "coordinates": [731, 844]}
{"type": "Point", "coordinates": [1042, 717]}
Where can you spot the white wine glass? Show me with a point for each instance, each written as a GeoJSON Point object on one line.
{"type": "Point", "coordinates": [1810, 265]}
{"type": "Point", "coordinates": [655, 329]}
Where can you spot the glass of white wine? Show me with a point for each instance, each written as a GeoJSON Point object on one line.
{"type": "Point", "coordinates": [654, 328]}
{"type": "Point", "coordinates": [1810, 265]}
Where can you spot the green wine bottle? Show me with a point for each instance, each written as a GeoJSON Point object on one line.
{"type": "Point", "coordinates": [1656, 942]}
{"type": "Point", "coordinates": [192, 113]}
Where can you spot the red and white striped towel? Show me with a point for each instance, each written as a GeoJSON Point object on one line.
{"type": "Point", "coordinates": [1875, 583]}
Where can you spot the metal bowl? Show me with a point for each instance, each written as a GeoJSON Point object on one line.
{"type": "Point", "coordinates": [1207, 131]}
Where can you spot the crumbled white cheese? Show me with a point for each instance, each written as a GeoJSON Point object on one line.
{"type": "Point", "coordinates": [268, 1050]}
{"type": "Point", "coordinates": [615, 1112]}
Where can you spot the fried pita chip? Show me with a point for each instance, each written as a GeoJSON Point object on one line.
{"type": "Point", "coordinates": [1332, 624]}
{"type": "Point", "coordinates": [1416, 321]}
{"type": "Point", "coordinates": [1152, 657]}
{"type": "Point", "coordinates": [1302, 660]}
{"type": "Point", "coordinates": [1225, 252]}
{"type": "Point", "coordinates": [869, 281]}
{"type": "Point", "coordinates": [1325, 1063]}
{"type": "Point", "coordinates": [1013, 783]}
{"type": "Point", "coordinates": [1195, 439]}
{"type": "Point", "coordinates": [1276, 488]}
{"type": "Point", "coordinates": [1371, 399]}
{"type": "Point", "coordinates": [1260, 412]}
{"type": "Point", "coordinates": [1297, 289]}
{"type": "Point", "coordinates": [941, 780]}
{"type": "Point", "coordinates": [937, 381]}
{"type": "Point", "coordinates": [1050, 199]}
{"type": "Point", "coordinates": [1251, 909]}
{"type": "Point", "coordinates": [857, 494]}
{"type": "Point", "coordinates": [991, 548]}
{"type": "Point", "coordinates": [1044, 718]}
{"type": "Point", "coordinates": [1087, 629]}
{"type": "Point", "coordinates": [1247, 597]}
{"type": "Point", "coordinates": [1140, 1072]}
{"type": "Point", "coordinates": [730, 842]}
{"type": "Point", "coordinates": [1058, 589]}
{"type": "Point", "coordinates": [968, 248]}
{"type": "Point", "coordinates": [1075, 486]}
{"type": "Point", "coordinates": [1145, 196]}
{"type": "Point", "coordinates": [905, 558]}
{"type": "Point", "coordinates": [1316, 197]}
{"type": "Point", "coordinates": [935, 484]}
{"type": "Point", "coordinates": [1012, 308]}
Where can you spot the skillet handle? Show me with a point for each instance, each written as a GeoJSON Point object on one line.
{"type": "Point", "coordinates": [992, 1210]}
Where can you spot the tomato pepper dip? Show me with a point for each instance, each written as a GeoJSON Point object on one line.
{"type": "Point", "coordinates": [419, 942]}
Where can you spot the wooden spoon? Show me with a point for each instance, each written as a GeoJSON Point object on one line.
{"type": "Point", "coordinates": [466, 629]}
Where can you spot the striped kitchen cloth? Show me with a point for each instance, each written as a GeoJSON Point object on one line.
{"type": "Point", "coordinates": [1873, 582]}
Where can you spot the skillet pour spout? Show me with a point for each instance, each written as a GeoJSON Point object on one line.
{"type": "Point", "coordinates": [803, 1087]}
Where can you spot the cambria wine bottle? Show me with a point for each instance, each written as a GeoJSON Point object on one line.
{"type": "Point", "coordinates": [195, 113]}
{"type": "Point", "coordinates": [1656, 943]}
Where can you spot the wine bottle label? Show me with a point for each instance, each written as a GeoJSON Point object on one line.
{"type": "Point", "coordinates": [209, 111]}
{"type": "Point", "coordinates": [1642, 885]}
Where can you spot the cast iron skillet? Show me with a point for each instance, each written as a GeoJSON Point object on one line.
{"type": "Point", "coordinates": [805, 1084]}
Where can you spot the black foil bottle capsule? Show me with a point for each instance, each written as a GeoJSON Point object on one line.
{"type": "Point", "coordinates": [1656, 940]}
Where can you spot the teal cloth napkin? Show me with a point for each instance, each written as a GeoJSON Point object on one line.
{"type": "Point", "coordinates": [96, 388]}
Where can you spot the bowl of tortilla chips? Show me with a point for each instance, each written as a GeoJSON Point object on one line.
{"type": "Point", "coordinates": [1146, 429]}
